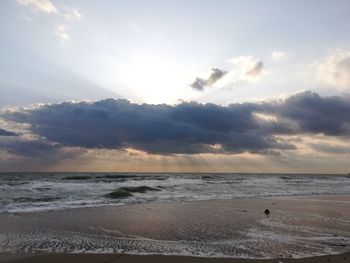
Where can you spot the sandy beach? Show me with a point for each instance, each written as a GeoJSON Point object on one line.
{"type": "Point", "coordinates": [298, 227]}
{"type": "Point", "coordinates": [110, 258]}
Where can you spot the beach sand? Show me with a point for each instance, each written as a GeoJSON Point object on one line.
{"type": "Point", "coordinates": [110, 258]}
{"type": "Point", "coordinates": [298, 227]}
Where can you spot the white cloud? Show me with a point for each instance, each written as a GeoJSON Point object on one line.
{"type": "Point", "coordinates": [72, 14]}
{"type": "Point", "coordinates": [335, 69]}
{"type": "Point", "coordinates": [246, 69]}
{"type": "Point", "coordinates": [278, 55]}
{"type": "Point", "coordinates": [248, 66]}
{"type": "Point", "coordinates": [62, 32]}
{"type": "Point", "coordinates": [48, 7]}
{"type": "Point", "coordinates": [41, 5]}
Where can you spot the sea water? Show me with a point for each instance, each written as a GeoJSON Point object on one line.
{"type": "Point", "coordinates": [27, 192]}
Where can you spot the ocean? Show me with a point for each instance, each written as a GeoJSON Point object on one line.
{"type": "Point", "coordinates": [29, 192]}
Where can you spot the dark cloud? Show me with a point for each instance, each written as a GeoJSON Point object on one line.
{"type": "Point", "coordinates": [315, 114]}
{"type": "Point", "coordinates": [7, 133]}
{"type": "Point", "coordinates": [329, 148]}
{"type": "Point", "coordinates": [161, 129]}
{"type": "Point", "coordinates": [187, 128]}
{"type": "Point", "coordinates": [214, 76]}
{"type": "Point", "coordinates": [256, 69]}
{"type": "Point", "coordinates": [32, 148]}
{"type": "Point", "coordinates": [198, 84]}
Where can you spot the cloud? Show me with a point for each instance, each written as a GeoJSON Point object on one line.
{"type": "Point", "coordinates": [256, 69]}
{"type": "Point", "coordinates": [278, 55]}
{"type": "Point", "coordinates": [48, 7]}
{"type": "Point", "coordinates": [7, 133]}
{"type": "Point", "coordinates": [160, 129]}
{"type": "Point", "coordinates": [30, 148]}
{"type": "Point", "coordinates": [213, 77]}
{"type": "Point", "coordinates": [329, 148]}
{"type": "Point", "coordinates": [248, 65]}
{"type": "Point", "coordinates": [186, 128]}
{"type": "Point", "coordinates": [246, 68]}
{"type": "Point", "coordinates": [41, 5]}
{"type": "Point", "coordinates": [335, 69]}
{"type": "Point", "coordinates": [62, 32]}
{"type": "Point", "coordinates": [314, 114]}
{"type": "Point", "coordinates": [309, 113]}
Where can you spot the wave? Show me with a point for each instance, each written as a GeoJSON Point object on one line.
{"type": "Point", "coordinates": [127, 191]}
{"type": "Point", "coordinates": [117, 194]}
{"type": "Point", "coordinates": [139, 189]}
{"type": "Point", "coordinates": [78, 177]}
{"type": "Point", "coordinates": [39, 191]}
{"type": "Point", "coordinates": [117, 176]}
{"type": "Point", "coordinates": [39, 199]}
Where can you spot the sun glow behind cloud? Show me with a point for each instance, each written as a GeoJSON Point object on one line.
{"type": "Point", "coordinates": [156, 78]}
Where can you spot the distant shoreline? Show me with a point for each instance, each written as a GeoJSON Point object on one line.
{"type": "Point", "coordinates": [321, 197]}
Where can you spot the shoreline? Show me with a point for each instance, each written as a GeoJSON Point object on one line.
{"type": "Point", "coordinates": [125, 258]}
{"type": "Point", "coordinates": [318, 197]}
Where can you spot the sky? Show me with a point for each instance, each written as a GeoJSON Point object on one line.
{"type": "Point", "coordinates": [175, 86]}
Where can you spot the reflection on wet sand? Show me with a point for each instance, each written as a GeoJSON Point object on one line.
{"type": "Point", "coordinates": [295, 227]}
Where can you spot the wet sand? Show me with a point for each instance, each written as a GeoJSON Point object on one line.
{"type": "Point", "coordinates": [110, 258]}
{"type": "Point", "coordinates": [297, 227]}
